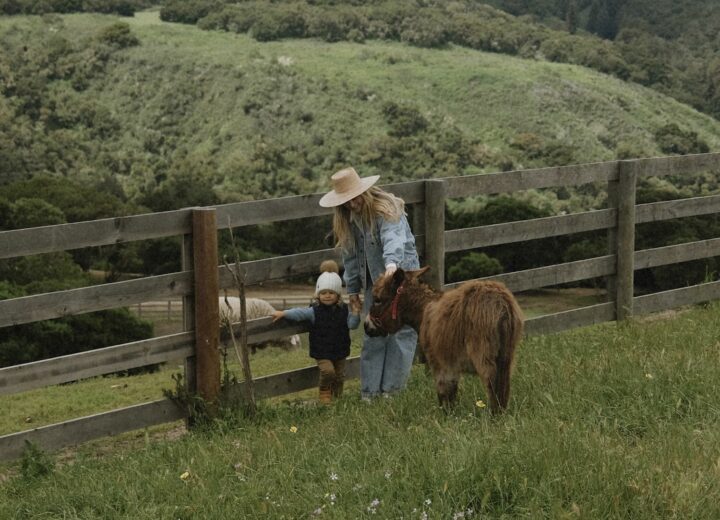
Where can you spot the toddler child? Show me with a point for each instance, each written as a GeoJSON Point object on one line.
{"type": "Point", "coordinates": [330, 323]}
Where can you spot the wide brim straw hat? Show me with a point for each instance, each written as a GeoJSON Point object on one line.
{"type": "Point", "coordinates": [347, 185]}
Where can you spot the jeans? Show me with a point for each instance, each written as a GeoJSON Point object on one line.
{"type": "Point", "coordinates": [385, 362]}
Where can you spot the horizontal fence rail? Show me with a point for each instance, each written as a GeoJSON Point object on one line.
{"type": "Point", "coordinates": [427, 201]}
{"type": "Point", "coordinates": [63, 369]}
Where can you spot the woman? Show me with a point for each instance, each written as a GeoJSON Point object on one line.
{"type": "Point", "coordinates": [371, 228]}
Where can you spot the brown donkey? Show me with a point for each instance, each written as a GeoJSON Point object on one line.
{"type": "Point", "coordinates": [479, 322]}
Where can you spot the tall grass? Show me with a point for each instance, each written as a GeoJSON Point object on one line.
{"type": "Point", "coordinates": [605, 422]}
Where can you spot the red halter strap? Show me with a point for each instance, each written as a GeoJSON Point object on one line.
{"type": "Point", "coordinates": [396, 301]}
{"type": "Point", "coordinates": [393, 309]}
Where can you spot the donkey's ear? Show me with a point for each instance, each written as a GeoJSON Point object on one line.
{"type": "Point", "coordinates": [419, 272]}
{"type": "Point", "coordinates": [398, 277]}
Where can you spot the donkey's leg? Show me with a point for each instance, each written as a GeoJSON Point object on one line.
{"type": "Point", "coordinates": [446, 384]}
{"type": "Point", "coordinates": [446, 377]}
{"type": "Point", "coordinates": [487, 370]}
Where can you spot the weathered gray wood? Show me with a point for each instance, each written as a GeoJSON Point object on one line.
{"type": "Point", "coordinates": [435, 232]}
{"type": "Point", "coordinates": [294, 381]}
{"type": "Point", "coordinates": [97, 297]}
{"type": "Point", "coordinates": [677, 253]}
{"type": "Point", "coordinates": [612, 238]}
{"type": "Point", "coordinates": [76, 431]}
{"type": "Point", "coordinates": [553, 274]}
{"type": "Point", "coordinates": [418, 228]}
{"type": "Point", "coordinates": [675, 165]}
{"type": "Point", "coordinates": [625, 271]}
{"type": "Point", "coordinates": [279, 267]}
{"type": "Point", "coordinates": [509, 232]}
{"type": "Point", "coordinates": [263, 329]}
{"type": "Point", "coordinates": [187, 262]}
{"type": "Point", "coordinates": [207, 308]}
{"type": "Point", "coordinates": [19, 378]}
{"type": "Point", "coordinates": [300, 206]}
{"type": "Point", "coordinates": [666, 210]}
{"type": "Point", "coordinates": [561, 321]}
{"type": "Point", "coordinates": [675, 298]}
{"type": "Point", "coordinates": [488, 183]}
{"type": "Point", "coordinates": [64, 237]}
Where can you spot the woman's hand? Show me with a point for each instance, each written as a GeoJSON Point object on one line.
{"type": "Point", "coordinates": [277, 315]}
{"type": "Point", "coordinates": [390, 269]}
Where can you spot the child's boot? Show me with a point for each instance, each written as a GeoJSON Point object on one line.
{"type": "Point", "coordinates": [337, 389]}
{"type": "Point", "coordinates": [325, 396]}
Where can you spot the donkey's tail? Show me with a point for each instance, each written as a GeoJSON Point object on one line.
{"type": "Point", "coordinates": [510, 331]}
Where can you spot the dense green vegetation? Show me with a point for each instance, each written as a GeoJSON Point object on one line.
{"type": "Point", "coordinates": [605, 422]}
{"type": "Point", "coordinates": [104, 116]}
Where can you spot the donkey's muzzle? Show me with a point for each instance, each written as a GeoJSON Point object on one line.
{"type": "Point", "coordinates": [372, 330]}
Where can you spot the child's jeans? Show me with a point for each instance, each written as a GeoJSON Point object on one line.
{"type": "Point", "coordinates": [332, 375]}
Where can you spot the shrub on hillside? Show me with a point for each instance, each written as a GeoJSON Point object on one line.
{"type": "Point", "coordinates": [277, 23]}
{"type": "Point", "coordinates": [188, 11]}
{"type": "Point", "coordinates": [427, 29]}
{"type": "Point", "coordinates": [672, 139]}
{"type": "Point", "coordinates": [338, 24]}
{"type": "Point", "coordinates": [473, 265]}
{"type": "Point", "coordinates": [118, 35]}
{"type": "Point", "coordinates": [404, 120]}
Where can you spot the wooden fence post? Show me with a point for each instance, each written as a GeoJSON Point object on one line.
{"type": "Point", "coordinates": [207, 308]}
{"type": "Point", "coordinates": [418, 227]}
{"type": "Point", "coordinates": [188, 320]}
{"type": "Point", "coordinates": [627, 180]}
{"type": "Point", "coordinates": [435, 232]}
{"type": "Point", "coordinates": [612, 240]}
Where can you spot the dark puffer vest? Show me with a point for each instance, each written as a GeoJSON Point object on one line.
{"type": "Point", "coordinates": [330, 336]}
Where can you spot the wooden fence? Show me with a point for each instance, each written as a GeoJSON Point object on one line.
{"type": "Point", "coordinates": [427, 202]}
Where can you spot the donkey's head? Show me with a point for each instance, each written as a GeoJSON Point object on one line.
{"type": "Point", "coordinates": [386, 313]}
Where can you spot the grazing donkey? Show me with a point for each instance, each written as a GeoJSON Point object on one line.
{"type": "Point", "coordinates": [479, 322]}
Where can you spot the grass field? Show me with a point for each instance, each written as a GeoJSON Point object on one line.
{"type": "Point", "coordinates": [606, 422]}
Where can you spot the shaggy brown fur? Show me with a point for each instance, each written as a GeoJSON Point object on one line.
{"type": "Point", "coordinates": [479, 322]}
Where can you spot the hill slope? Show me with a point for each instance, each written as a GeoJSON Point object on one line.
{"type": "Point", "coordinates": [262, 119]}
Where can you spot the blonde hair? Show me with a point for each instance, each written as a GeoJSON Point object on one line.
{"type": "Point", "coordinates": [375, 202]}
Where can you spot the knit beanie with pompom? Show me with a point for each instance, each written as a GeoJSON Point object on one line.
{"type": "Point", "coordinates": [329, 280]}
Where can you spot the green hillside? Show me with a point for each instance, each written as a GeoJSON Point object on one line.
{"type": "Point", "coordinates": [254, 119]}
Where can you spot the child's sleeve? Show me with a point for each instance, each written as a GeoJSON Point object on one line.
{"type": "Point", "coordinates": [300, 314]}
{"type": "Point", "coordinates": [353, 320]}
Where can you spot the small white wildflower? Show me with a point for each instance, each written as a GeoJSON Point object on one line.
{"type": "Point", "coordinates": [428, 501]}
{"type": "Point", "coordinates": [469, 512]}
{"type": "Point", "coordinates": [372, 508]}
{"type": "Point", "coordinates": [332, 498]}
{"type": "Point", "coordinates": [424, 516]}
{"type": "Point", "coordinates": [318, 511]}
{"type": "Point", "coordinates": [459, 515]}
{"type": "Point", "coordinates": [387, 475]}
{"type": "Point", "coordinates": [334, 477]}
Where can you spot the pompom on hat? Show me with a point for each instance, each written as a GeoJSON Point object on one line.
{"type": "Point", "coordinates": [347, 185]}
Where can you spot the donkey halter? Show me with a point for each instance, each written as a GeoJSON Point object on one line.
{"type": "Point", "coordinates": [392, 309]}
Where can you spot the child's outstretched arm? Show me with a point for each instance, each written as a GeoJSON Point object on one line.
{"type": "Point", "coordinates": [295, 314]}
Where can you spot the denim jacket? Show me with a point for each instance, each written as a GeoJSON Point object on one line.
{"type": "Point", "coordinates": [392, 243]}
